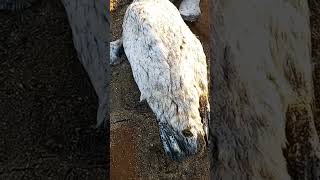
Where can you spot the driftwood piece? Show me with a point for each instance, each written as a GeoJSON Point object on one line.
{"type": "Point", "coordinates": [262, 125]}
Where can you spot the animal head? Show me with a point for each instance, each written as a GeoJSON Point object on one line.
{"type": "Point", "coordinates": [184, 127]}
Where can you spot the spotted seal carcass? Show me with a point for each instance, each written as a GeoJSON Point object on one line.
{"type": "Point", "coordinates": [169, 66]}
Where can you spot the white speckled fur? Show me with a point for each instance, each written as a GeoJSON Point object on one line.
{"type": "Point", "coordinates": [168, 62]}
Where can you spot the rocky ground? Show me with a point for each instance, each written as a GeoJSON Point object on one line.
{"type": "Point", "coordinates": [47, 103]}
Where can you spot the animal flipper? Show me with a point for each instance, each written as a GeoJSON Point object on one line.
{"type": "Point", "coordinates": [190, 10]}
{"type": "Point", "coordinates": [116, 52]}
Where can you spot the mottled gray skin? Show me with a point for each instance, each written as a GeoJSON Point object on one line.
{"type": "Point", "coordinates": [89, 24]}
